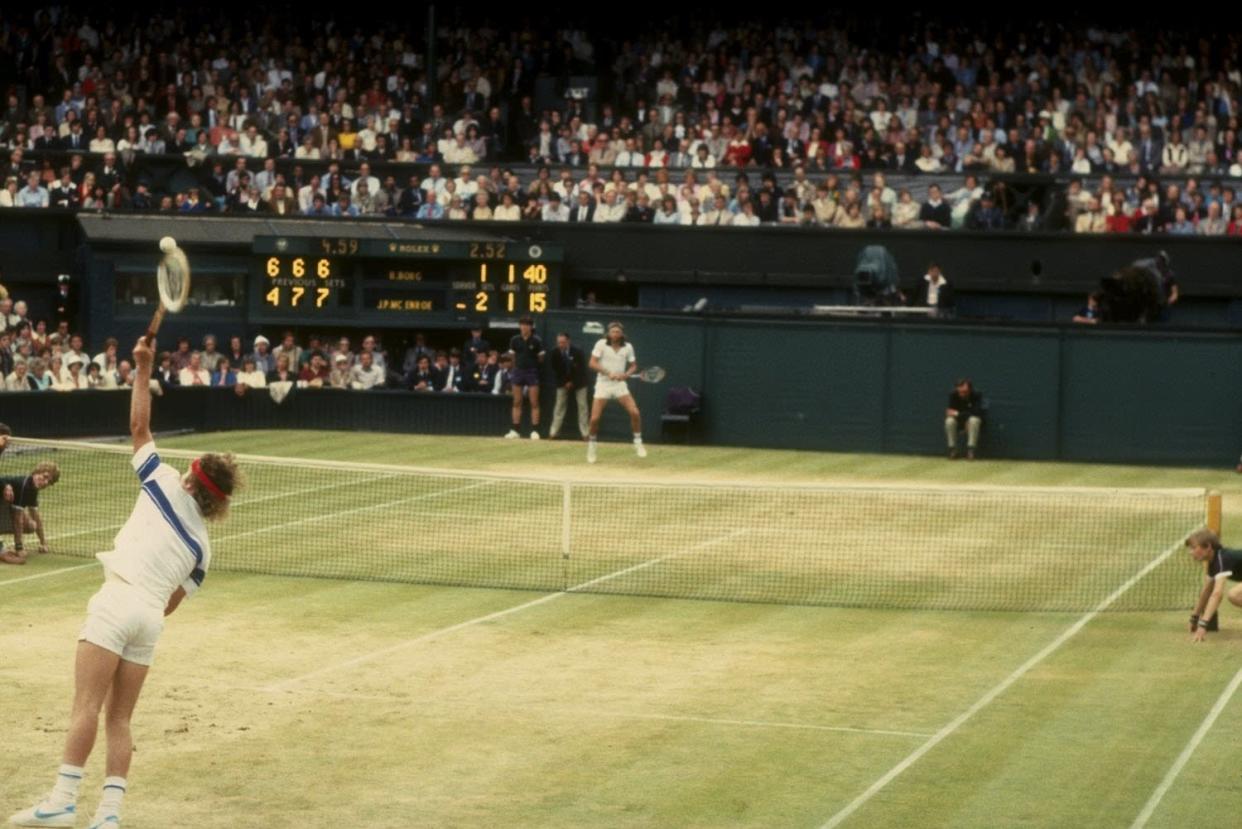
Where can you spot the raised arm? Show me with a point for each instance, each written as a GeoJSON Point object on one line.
{"type": "Point", "coordinates": [140, 397]}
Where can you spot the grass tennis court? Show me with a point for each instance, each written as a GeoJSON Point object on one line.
{"type": "Point", "coordinates": [280, 701]}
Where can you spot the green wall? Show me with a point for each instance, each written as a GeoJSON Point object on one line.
{"type": "Point", "coordinates": [1066, 393]}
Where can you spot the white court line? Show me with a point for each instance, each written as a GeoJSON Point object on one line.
{"type": "Point", "coordinates": [1000, 688]}
{"type": "Point", "coordinates": [881, 732]}
{"type": "Point", "coordinates": [1187, 753]}
{"type": "Point", "coordinates": [478, 620]}
{"type": "Point", "coordinates": [241, 502]}
{"type": "Point", "coordinates": [55, 572]}
{"type": "Point", "coordinates": [333, 515]}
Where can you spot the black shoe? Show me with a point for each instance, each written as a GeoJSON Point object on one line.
{"type": "Point", "coordinates": [970, 454]}
{"type": "Point", "coordinates": [1213, 624]}
{"type": "Point", "coordinates": [952, 454]}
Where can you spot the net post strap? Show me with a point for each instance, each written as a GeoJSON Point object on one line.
{"type": "Point", "coordinates": [1213, 515]}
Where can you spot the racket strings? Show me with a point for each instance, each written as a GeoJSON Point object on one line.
{"type": "Point", "coordinates": [174, 280]}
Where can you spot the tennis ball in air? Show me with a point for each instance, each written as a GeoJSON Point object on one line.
{"type": "Point", "coordinates": [168, 244]}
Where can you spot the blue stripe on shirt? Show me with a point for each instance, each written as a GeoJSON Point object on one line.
{"type": "Point", "coordinates": [148, 466]}
{"type": "Point", "coordinates": [162, 504]}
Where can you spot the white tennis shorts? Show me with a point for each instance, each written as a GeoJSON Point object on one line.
{"type": "Point", "coordinates": [611, 389]}
{"type": "Point", "coordinates": [125, 620]}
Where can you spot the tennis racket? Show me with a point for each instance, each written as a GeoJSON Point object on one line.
{"type": "Point", "coordinates": [651, 374]}
{"type": "Point", "coordinates": [173, 280]}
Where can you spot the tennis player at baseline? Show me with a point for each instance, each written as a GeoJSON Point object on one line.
{"type": "Point", "coordinates": [161, 555]}
{"type": "Point", "coordinates": [614, 362]}
{"type": "Point", "coordinates": [1222, 565]}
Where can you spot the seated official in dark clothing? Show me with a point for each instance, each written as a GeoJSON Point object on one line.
{"type": "Point", "coordinates": [421, 378]}
{"type": "Point", "coordinates": [481, 376]}
{"type": "Point", "coordinates": [965, 411]}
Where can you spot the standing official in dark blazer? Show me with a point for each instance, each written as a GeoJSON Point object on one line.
{"type": "Point", "coordinates": [569, 366]}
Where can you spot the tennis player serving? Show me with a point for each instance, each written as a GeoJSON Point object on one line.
{"type": "Point", "coordinates": [614, 362]}
{"type": "Point", "coordinates": [161, 556]}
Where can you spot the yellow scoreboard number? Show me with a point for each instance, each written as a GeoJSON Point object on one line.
{"type": "Point", "coordinates": [535, 276]}
{"type": "Point", "coordinates": [293, 295]}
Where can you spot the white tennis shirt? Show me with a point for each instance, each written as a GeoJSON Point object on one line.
{"type": "Point", "coordinates": [164, 543]}
{"type": "Point", "coordinates": [614, 360]}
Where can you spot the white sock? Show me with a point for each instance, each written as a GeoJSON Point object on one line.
{"type": "Point", "coordinates": [638, 437]}
{"type": "Point", "coordinates": [590, 438]}
{"type": "Point", "coordinates": [113, 793]}
{"type": "Point", "coordinates": [68, 779]}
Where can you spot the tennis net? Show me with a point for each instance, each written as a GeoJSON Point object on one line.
{"type": "Point", "coordinates": [917, 547]}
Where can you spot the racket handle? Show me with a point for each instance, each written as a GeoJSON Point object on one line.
{"type": "Point", "coordinates": [156, 319]}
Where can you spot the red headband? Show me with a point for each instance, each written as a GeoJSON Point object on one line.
{"type": "Point", "coordinates": [197, 469]}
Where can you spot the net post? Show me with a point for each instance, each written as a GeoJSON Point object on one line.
{"type": "Point", "coordinates": [1213, 511]}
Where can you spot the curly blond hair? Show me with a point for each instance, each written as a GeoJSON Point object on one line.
{"type": "Point", "coordinates": [221, 470]}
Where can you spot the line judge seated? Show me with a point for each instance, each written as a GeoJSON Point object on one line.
{"type": "Point", "coordinates": [964, 412]}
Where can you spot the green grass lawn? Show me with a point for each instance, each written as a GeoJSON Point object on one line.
{"type": "Point", "coordinates": [279, 701]}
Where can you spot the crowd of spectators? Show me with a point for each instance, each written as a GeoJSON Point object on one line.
{"type": "Point", "coordinates": [291, 119]}
{"type": "Point", "coordinates": [34, 359]}
{"type": "Point", "coordinates": [327, 363]}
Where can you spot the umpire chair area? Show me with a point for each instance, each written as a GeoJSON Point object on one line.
{"type": "Point", "coordinates": [681, 420]}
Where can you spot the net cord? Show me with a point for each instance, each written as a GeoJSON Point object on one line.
{"type": "Point", "coordinates": [597, 481]}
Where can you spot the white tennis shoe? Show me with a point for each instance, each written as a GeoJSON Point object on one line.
{"type": "Point", "coordinates": [513, 433]}
{"type": "Point", "coordinates": [592, 452]}
{"type": "Point", "coordinates": [534, 436]}
{"type": "Point", "coordinates": [46, 815]}
{"type": "Point", "coordinates": [105, 822]}
{"type": "Point", "coordinates": [639, 449]}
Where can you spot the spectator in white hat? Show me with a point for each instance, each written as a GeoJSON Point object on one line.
{"type": "Point", "coordinates": [75, 379]}
{"type": "Point", "coordinates": [338, 377]}
{"type": "Point", "coordinates": [263, 360]}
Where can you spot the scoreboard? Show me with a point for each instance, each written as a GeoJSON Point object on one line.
{"type": "Point", "coordinates": [426, 283]}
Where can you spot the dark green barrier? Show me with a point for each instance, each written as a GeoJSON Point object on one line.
{"type": "Point", "coordinates": [1017, 372]}
{"type": "Point", "coordinates": [1053, 393]}
{"type": "Point", "coordinates": [1071, 393]}
{"type": "Point", "coordinates": [1155, 397]}
{"type": "Point", "coordinates": [796, 386]}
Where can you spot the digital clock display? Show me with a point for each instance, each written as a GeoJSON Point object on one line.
{"type": "Point", "coordinates": [394, 283]}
